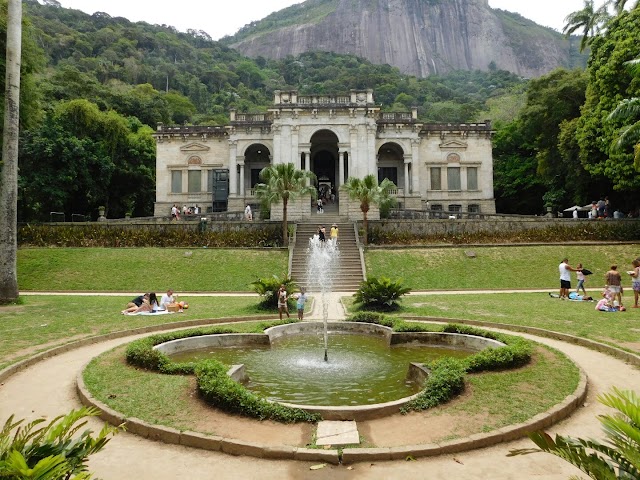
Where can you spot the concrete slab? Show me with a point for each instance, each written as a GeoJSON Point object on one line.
{"type": "Point", "coordinates": [337, 433]}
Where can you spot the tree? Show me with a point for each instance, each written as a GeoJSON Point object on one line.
{"type": "Point", "coordinates": [617, 458]}
{"type": "Point", "coordinates": [284, 182]}
{"type": "Point", "coordinates": [9, 180]}
{"type": "Point", "coordinates": [368, 193]}
{"type": "Point", "coordinates": [610, 81]}
{"type": "Point", "coordinates": [589, 20]}
{"type": "Point", "coordinates": [628, 110]}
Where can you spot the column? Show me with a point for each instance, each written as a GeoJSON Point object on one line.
{"type": "Point", "coordinates": [241, 178]}
{"type": "Point", "coordinates": [340, 169]}
{"type": "Point", "coordinates": [233, 178]}
{"type": "Point", "coordinates": [415, 168]}
{"type": "Point", "coordinates": [407, 161]}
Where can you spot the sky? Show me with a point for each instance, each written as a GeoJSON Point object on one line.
{"type": "Point", "coordinates": [219, 18]}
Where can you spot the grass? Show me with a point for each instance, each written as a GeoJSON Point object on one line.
{"type": "Point", "coordinates": [41, 322]}
{"type": "Point", "coordinates": [148, 269]}
{"type": "Point", "coordinates": [531, 309]}
{"type": "Point", "coordinates": [496, 267]}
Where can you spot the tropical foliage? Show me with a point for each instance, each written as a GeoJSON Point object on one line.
{"type": "Point", "coordinates": [368, 192]}
{"type": "Point", "coordinates": [51, 451]}
{"type": "Point", "coordinates": [380, 293]}
{"type": "Point", "coordinates": [268, 288]}
{"type": "Point", "coordinates": [284, 183]}
{"type": "Point", "coordinates": [617, 458]}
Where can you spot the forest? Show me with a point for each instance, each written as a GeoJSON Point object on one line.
{"type": "Point", "coordinates": [94, 88]}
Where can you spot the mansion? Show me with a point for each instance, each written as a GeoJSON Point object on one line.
{"type": "Point", "coordinates": [437, 166]}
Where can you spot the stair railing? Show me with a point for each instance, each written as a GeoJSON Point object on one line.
{"type": "Point", "coordinates": [360, 251]}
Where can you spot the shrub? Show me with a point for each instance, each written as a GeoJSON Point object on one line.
{"type": "Point", "coordinates": [371, 317]}
{"type": "Point", "coordinates": [268, 288]}
{"type": "Point", "coordinates": [219, 390]}
{"type": "Point", "coordinates": [445, 380]}
{"type": "Point", "coordinates": [50, 452]}
{"type": "Point", "coordinates": [380, 293]}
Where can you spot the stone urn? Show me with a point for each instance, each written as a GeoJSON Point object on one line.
{"type": "Point", "coordinates": [101, 217]}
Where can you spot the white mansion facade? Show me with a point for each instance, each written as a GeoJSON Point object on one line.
{"type": "Point", "coordinates": [438, 166]}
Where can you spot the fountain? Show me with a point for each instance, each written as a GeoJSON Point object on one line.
{"type": "Point", "coordinates": [323, 259]}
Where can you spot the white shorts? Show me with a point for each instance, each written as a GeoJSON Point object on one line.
{"type": "Point", "coordinates": [614, 289]}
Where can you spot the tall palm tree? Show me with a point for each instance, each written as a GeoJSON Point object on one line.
{"type": "Point", "coordinates": [589, 20]}
{"type": "Point", "coordinates": [618, 458]}
{"type": "Point", "coordinates": [9, 175]}
{"type": "Point", "coordinates": [368, 193]}
{"type": "Point", "coordinates": [284, 182]}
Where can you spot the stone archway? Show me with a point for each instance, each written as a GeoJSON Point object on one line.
{"type": "Point", "coordinates": [324, 161]}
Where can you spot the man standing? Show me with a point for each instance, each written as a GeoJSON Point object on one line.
{"type": "Point", "coordinates": [565, 278]}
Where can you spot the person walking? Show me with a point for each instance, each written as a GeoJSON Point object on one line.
{"type": "Point", "coordinates": [248, 215]}
{"type": "Point", "coordinates": [581, 278]}
{"type": "Point", "coordinates": [334, 234]}
{"type": "Point", "coordinates": [565, 278]}
{"type": "Point", "coordinates": [282, 301]}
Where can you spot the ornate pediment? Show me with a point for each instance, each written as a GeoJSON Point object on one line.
{"type": "Point", "coordinates": [453, 145]}
{"type": "Point", "coordinates": [194, 147]}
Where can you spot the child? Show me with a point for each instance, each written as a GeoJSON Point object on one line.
{"type": "Point", "coordinates": [580, 277]}
{"type": "Point", "coordinates": [300, 301]}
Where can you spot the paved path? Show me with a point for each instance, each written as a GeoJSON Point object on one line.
{"type": "Point", "coordinates": [48, 388]}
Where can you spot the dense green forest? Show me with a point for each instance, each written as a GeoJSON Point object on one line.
{"type": "Point", "coordinates": [95, 87]}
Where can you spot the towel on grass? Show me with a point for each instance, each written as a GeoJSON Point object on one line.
{"type": "Point", "coordinates": [159, 312]}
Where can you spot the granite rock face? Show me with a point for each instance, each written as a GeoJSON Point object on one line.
{"type": "Point", "coordinates": [420, 37]}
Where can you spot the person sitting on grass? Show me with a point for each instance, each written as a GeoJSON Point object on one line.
{"type": "Point", "coordinates": [149, 304]}
{"type": "Point", "coordinates": [167, 299]}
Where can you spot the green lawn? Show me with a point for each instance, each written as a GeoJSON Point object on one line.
{"type": "Point", "coordinates": [496, 267]}
{"type": "Point", "coordinates": [41, 322]}
{"type": "Point", "coordinates": [146, 269]}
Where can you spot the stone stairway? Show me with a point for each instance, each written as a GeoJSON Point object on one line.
{"type": "Point", "coordinates": [348, 275]}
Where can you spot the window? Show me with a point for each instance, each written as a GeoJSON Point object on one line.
{"type": "Point", "coordinates": [436, 180]}
{"type": "Point", "coordinates": [176, 181]}
{"type": "Point", "coordinates": [472, 178]}
{"type": "Point", "coordinates": [436, 211]}
{"type": "Point", "coordinates": [388, 172]}
{"type": "Point", "coordinates": [455, 208]}
{"type": "Point", "coordinates": [195, 181]}
{"type": "Point", "coordinates": [453, 178]}
{"type": "Point", "coordinates": [473, 210]}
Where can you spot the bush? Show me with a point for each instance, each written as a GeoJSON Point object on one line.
{"type": "Point", "coordinates": [445, 380]}
{"type": "Point", "coordinates": [50, 452]}
{"type": "Point", "coordinates": [219, 390]}
{"type": "Point", "coordinates": [380, 293]}
{"type": "Point", "coordinates": [371, 317]}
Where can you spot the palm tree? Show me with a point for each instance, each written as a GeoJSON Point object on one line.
{"type": "Point", "coordinates": [368, 192]}
{"type": "Point", "coordinates": [589, 20]}
{"type": "Point", "coordinates": [284, 182]}
{"type": "Point", "coordinates": [9, 175]}
{"type": "Point", "coordinates": [629, 110]}
{"type": "Point", "coordinates": [618, 458]}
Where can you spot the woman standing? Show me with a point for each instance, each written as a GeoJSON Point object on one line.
{"type": "Point", "coordinates": [282, 301]}
{"type": "Point", "coordinates": [635, 281]}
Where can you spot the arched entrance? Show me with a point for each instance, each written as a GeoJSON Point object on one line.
{"type": "Point", "coordinates": [324, 163]}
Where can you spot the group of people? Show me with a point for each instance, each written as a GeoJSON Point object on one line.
{"type": "Point", "coordinates": [333, 233]}
{"type": "Point", "coordinates": [613, 289]}
{"type": "Point", "coordinates": [283, 299]}
{"type": "Point", "coordinates": [148, 302]}
{"type": "Point", "coordinates": [175, 211]}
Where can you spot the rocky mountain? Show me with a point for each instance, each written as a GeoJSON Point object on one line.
{"type": "Point", "coordinates": [420, 37]}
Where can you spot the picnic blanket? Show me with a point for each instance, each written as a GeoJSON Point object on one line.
{"type": "Point", "coordinates": [159, 312]}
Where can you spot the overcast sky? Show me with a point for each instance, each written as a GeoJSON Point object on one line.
{"type": "Point", "coordinates": [219, 18]}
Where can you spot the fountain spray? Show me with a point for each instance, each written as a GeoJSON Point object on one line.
{"type": "Point", "coordinates": [321, 265]}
